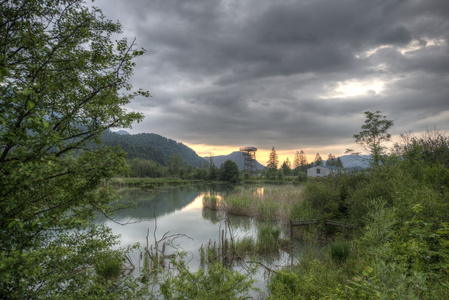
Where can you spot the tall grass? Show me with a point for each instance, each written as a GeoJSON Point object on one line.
{"type": "Point", "coordinates": [271, 203]}
{"type": "Point", "coordinates": [211, 201]}
{"type": "Point", "coordinates": [267, 238]}
{"type": "Point", "coordinates": [340, 251]}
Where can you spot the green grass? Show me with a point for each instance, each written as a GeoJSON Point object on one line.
{"type": "Point", "coordinates": [267, 238]}
{"type": "Point", "coordinates": [149, 183]}
{"type": "Point", "coordinates": [211, 202]}
{"type": "Point", "coordinates": [270, 203]}
{"type": "Point", "coordinates": [245, 246]}
{"type": "Point", "coordinates": [340, 251]}
{"type": "Point", "coordinates": [109, 265]}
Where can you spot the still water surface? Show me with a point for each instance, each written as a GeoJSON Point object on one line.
{"type": "Point", "coordinates": [180, 210]}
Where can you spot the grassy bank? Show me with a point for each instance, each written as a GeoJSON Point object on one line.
{"type": "Point", "coordinates": [150, 183]}
{"type": "Point", "coordinates": [399, 248]}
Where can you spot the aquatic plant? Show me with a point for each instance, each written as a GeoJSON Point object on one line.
{"type": "Point", "coordinates": [268, 238]}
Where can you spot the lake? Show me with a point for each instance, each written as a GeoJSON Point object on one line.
{"type": "Point", "coordinates": [180, 211]}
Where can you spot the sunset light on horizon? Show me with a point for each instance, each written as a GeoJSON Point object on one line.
{"type": "Point", "coordinates": [296, 75]}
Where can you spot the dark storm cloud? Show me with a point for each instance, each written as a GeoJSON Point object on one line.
{"type": "Point", "coordinates": [286, 73]}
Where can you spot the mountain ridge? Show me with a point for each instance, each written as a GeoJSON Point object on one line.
{"type": "Point", "coordinates": [151, 146]}
{"type": "Point", "coordinates": [236, 157]}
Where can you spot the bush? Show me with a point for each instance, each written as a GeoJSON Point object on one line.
{"type": "Point", "coordinates": [340, 251]}
{"type": "Point", "coordinates": [284, 285]}
{"type": "Point", "coordinates": [109, 265]}
{"type": "Point", "coordinates": [216, 282]}
{"type": "Point", "coordinates": [323, 197]}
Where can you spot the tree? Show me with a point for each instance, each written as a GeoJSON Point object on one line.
{"type": "Point", "coordinates": [230, 171]}
{"type": "Point", "coordinates": [318, 160]}
{"type": "Point", "coordinates": [175, 165]}
{"type": "Point", "coordinates": [273, 161]}
{"type": "Point", "coordinates": [339, 163]}
{"type": "Point", "coordinates": [213, 170]}
{"type": "Point", "coordinates": [272, 164]}
{"type": "Point", "coordinates": [302, 159]}
{"type": "Point", "coordinates": [286, 167]}
{"type": "Point", "coordinates": [63, 81]}
{"type": "Point", "coordinates": [296, 161]}
{"type": "Point", "coordinates": [330, 160]}
{"type": "Point", "coordinates": [373, 135]}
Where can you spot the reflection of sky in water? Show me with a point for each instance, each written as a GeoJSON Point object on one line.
{"type": "Point", "coordinates": [192, 220]}
{"type": "Point", "coordinates": [180, 211]}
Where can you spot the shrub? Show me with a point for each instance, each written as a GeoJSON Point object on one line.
{"type": "Point", "coordinates": [323, 198]}
{"type": "Point", "coordinates": [216, 282]}
{"type": "Point", "coordinates": [284, 285]}
{"type": "Point", "coordinates": [109, 265]}
{"type": "Point", "coordinates": [340, 251]}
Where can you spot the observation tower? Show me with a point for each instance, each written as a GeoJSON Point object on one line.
{"type": "Point", "coordinates": [249, 154]}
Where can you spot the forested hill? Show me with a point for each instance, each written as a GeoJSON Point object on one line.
{"type": "Point", "coordinates": [236, 157]}
{"type": "Point", "coordinates": [151, 146]}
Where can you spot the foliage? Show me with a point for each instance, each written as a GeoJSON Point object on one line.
{"type": "Point", "coordinates": [267, 238]}
{"type": "Point", "coordinates": [333, 161]}
{"type": "Point", "coordinates": [284, 285]}
{"type": "Point", "coordinates": [216, 282]}
{"type": "Point", "coordinates": [302, 176]}
{"type": "Point", "coordinates": [286, 167]}
{"type": "Point", "coordinates": [318, 161]}
{"type": "Point", "coordinates": [374, 134]}
{"type": "Point", "coordinates": [400, 213]}
{"type": "Point", "coordinates": [141, 168]}
{"type": "Point", "coordinates": [150, 146]}
{"type": "Point", "coordinates": [300, 162]}
{"type": "Point", "coordinates": [315, 279]}
{"type": "Point", "coordinates": [270, 203]}
{"type": "Point", "coordinates": [63, 81]}
{"type": "Point", "coordinates": [273, 160]}
{"type": "Point", "coordinates": [322, 197]}
{"type": "Point", "coordinates": [108, 265]}
{"type": "Point", "coordinates": [211, 202]}
{"type": "Point", "coordinates": [230, 171]}
{"type": "Point", "coordinates": [272, 164]}
{"type": "Point", "coordinates": [340, 251]}
{"type": "Point", "coordinates": [245, 245]}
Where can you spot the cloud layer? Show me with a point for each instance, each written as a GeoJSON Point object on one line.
{"type": "Point", "coordinates": [294, 74]}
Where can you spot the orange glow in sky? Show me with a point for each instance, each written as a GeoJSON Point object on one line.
{"type": "Point", "coordinates": [262, 155]}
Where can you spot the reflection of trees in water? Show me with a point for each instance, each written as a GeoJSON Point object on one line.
{"type": "Point", "coordinates": [240, 222]}
{"type": "Point", "coordinates": [145, 205]}
{"type": "Point", "coordinates": [213, 215]}
{"type": "Point", "coordinates": [237, 222]}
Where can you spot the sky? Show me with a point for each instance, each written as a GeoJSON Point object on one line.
{"type": "Point", "coordinates": [292, 74]}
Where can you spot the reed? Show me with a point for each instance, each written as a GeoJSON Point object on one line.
{"type": "Point", "coordinates": [245, 246]}
{"type": "Point", "coordinates": [268, 238]}
{"type": "Point", "coordinates": [271, 203]}
{"type": "Point", "coordinates": [211, 202]}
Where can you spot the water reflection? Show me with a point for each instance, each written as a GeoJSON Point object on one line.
{"type": "Point", "coordinates": [180, 210]}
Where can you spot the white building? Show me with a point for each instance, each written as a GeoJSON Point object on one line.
{"type": "Point", "coordinates": [322, 171]}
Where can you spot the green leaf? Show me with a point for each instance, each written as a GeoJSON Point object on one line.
{"type": "Point", "coordinates": [30, 105]}
{"type": "Point", "coordinates": [27, 92]}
